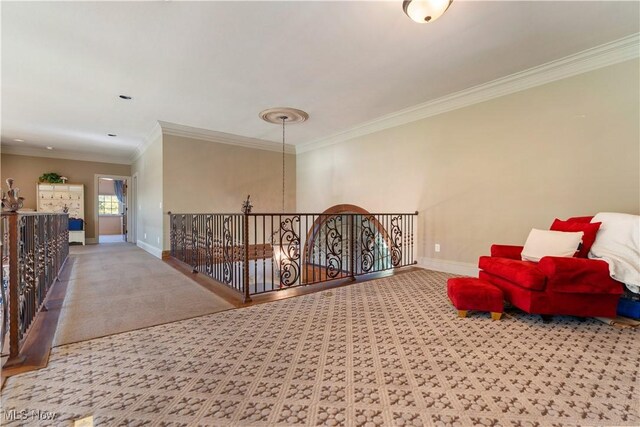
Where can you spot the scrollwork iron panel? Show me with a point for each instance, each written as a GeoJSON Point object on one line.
{"type": "Point", "coordinates": [396, 240]}
{"type": "Point", "coordinates": [194, 242]}
{"type": "Point", "coordinates": [289, 246]}
{"type": "Point", "coordinates": [334, 245]}
{"type": "Point", "coordinates": [367, 244]}
{"type": "Point", "coordinates": [209, 245]}
{"type": "Point", "coordinates": [227, 250]}
{"type": "Point", "coordinates": [257, 253]}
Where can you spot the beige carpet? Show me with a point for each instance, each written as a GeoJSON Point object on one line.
{"type": "Point", "coordinates": [118, 287]}
{"type": "Point", "coordinates": [389, 352]}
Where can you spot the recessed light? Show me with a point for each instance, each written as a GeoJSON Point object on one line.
{"type": "Point", "coordinates": [111, 134]}
{"type": "Point", "coordinates": [49, 148]}
{"type": "Point", "coordinates": [127, 97]}
{"type": "Point", "coordinates": [19, 140]}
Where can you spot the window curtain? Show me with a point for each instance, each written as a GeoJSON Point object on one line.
{"type": "Point", "coordinates": [118, 186]}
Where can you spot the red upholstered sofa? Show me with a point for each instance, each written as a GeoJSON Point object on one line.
{"type": "Point", "coordinates": [564, 286]}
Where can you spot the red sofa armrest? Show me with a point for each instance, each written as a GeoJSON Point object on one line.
{"type": "Point", "coordinates": [507, 251]}
{"type": "Point", "coordinates": [578, 275]}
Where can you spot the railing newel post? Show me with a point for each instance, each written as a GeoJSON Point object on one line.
{"type": "Point", "coordinates": [245, 261]}
{"type": "Point", "coordinates": [352, 247]}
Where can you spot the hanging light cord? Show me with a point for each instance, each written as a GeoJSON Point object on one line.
{"type": "Point", "coordinates": [284, 118]}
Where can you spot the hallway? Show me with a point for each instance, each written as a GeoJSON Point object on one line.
{"type": "Point", "coordinates": [118, 287]}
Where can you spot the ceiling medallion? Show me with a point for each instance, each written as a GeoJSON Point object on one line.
{"type": "Point", "coordinates": [282, 116]}
{"type": "Point", "coordinates": [277, 114]}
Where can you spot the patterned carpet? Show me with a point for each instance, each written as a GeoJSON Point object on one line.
{"type": "Point", "coordinates": [386, 352]}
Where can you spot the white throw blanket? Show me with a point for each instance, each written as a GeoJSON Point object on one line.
{"type": "Point", "coordinates": [618, 243]}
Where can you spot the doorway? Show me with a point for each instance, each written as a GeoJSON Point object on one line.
{"type": "Point", "coordinates": [111, 208]}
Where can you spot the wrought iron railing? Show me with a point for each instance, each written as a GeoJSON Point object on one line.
{"type": "Point", "coordinates": [34, 249]}
{"type": "Point", "coordinates": [211, 244]}
{"type": "Point", "coordinates": [258, 253]}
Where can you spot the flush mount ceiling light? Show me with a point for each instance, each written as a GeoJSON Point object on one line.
{"type": "Point", "coordinates": [423, 11]}
{"type": "Point", "coordinates": [127, 97]}
{"type": "Point", "coordinates": [19, 140]}
{"type": "Point", "coordinates": [49, 148]}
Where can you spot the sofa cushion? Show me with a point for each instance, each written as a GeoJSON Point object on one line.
{"type": "Point", "coordinates": [507, 251]}
{"type": "Point", "coordinates": [583, 219]}
{"type": "Point", "coordinates": [523, 273]}
{"type": "Point", "coordinates": [578, 275]}
{"type": "Point", "coordinates": [542, 243]}
{"type": "Point", "coordinates": [590, 229]}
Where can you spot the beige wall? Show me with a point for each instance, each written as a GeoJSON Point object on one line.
{"type": "Point", "coordinates": [204, 176]}
{"type": "Point", "coordinates": [150, 218]}
{"type": "Point", "coordinates": [25, 170]}
{"type": "Point", "coordinates": [490, 172]}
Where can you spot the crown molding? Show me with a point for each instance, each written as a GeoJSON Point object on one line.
{"type": "Point", "coordinates": [67, 155]}
{"type": "Point", "coordinates": [601, 56]}
{"type": "Point", "coordinates": [153, 135]}
{"type": "Point", "coordinates": [175, 129]}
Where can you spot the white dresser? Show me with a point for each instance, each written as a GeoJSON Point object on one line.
{"type": "Point", "coordinates": [57, 197]}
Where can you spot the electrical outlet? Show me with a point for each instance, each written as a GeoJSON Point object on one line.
{"type": "Point", "coordinates": [437, 247]}
{"type": "Point", "coordinates": [145, 236]}
{"type": "Point", "coordinates": [158, 239]}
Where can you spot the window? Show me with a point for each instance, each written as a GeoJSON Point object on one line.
{"type": "Point", "coordinates": [108, 205]}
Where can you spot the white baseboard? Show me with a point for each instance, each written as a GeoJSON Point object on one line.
{"type": "Point", "coordinates": [446, 266]}
{"type": "Point", "coordinates": [90, 241]}
{"type": "Point", "coordinates": [151, 249]}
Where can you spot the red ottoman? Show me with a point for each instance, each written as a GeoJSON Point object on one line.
{"type": "Point", "coordinates": [468, 293]}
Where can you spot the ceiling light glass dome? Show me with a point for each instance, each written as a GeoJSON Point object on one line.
{"type": "Point", "coordinates": [422, 11]}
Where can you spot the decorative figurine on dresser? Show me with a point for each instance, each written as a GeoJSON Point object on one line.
{"type": "Point", "coordinates": [68, 198]}
{"type": "Point", "coordinates": [11, 202]}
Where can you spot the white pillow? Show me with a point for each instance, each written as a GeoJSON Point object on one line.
{"type": "Point", "coordinates": [541, 243]}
